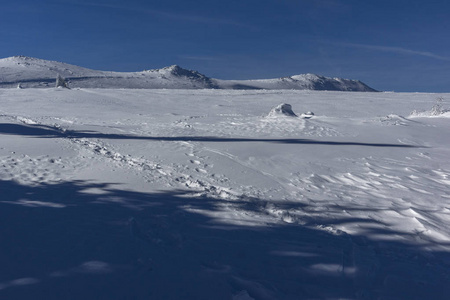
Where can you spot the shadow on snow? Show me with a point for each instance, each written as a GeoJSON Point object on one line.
{"type": "Point", "coordinates": [45, 131]}
{"type": "Point", "coordinates": [75, 240]}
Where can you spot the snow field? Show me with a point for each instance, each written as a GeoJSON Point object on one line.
{"type": "Point", "coordinates": [200, 194]}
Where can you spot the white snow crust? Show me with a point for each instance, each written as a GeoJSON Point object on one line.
{"type": "Point", "coordinates": [196, 194]}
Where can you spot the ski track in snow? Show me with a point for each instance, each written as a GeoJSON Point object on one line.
{"type": "Point", "coordinates": [357, 203]}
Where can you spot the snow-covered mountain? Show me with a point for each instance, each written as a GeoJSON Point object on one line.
{"type": "Point", "coordinates": [298, 82]}
{"type": "Point", "coordinates": [27, 72]}
{"type": "Point", "coordinates": [36, 73]}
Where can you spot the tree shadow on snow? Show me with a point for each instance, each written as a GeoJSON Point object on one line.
{"type": "Point", "coordinates": [45, 131]}
{"type": "Point", "coordinates": [77, 239]}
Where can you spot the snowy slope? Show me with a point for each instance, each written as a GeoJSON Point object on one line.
{"type": "Point", "coordinates": [298, 82]}
{"type": "Point", "coordinates": [212, 194]}
{"type": "Point", "coordinates": [34, 73]}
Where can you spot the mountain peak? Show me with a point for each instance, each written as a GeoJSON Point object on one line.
{"type": "Point", "coordinates": [30, 61]}
{"type": "Point", "coordinates": [179, 71]}
{"type": "Point", "coordinates": [174, 68]}
{"type": "Point", "coordinates": [21, 58]}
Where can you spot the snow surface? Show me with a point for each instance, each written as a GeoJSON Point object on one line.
{"type": "Point", "coordinates": [198, 194]}
{"type": "Point", "coordinates": [28, 72]}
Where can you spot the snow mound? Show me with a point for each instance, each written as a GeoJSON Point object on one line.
{"type": "Point", "coordinates": [393, 119]}
{"type": "Point", "coordinates": [283, 109]}
{"type": "Point", "coordinates": [307, 115]}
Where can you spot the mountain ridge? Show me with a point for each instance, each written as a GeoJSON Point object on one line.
{"type": "Point", "coordinates": [29, 72]}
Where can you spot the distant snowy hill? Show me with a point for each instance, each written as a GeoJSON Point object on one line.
{"type": "Point", "coordinates": [298, 82]}
{"type": "Point", "coordinates": [37, 73]}
{"type": "Point", "coordinates": [27, 72]}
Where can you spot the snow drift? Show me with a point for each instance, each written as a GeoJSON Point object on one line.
{"type": "Point", "coordinates": [283, 109]}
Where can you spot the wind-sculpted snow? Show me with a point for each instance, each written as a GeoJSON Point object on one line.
{"type": "Point", "coordinates": [182, 194]}
{"type": "Point", "coordinates": [27, 72]}
{"type": "Point", "coordinates": [283, 109]}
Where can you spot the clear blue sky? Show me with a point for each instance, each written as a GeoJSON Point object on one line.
{"type": "Point", "coordinates": [400, 45]}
